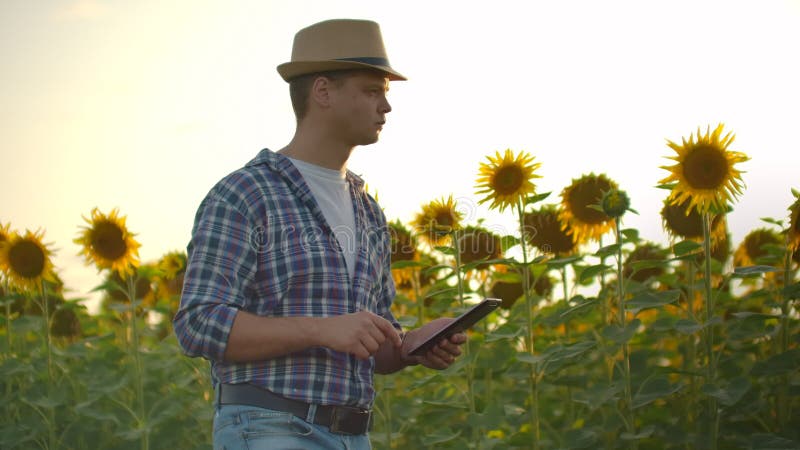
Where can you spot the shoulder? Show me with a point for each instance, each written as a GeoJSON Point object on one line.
{"type": "Point", "coordinates": [247, 188]}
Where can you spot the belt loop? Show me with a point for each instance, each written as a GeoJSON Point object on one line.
{"type": "Point", "coordinates": [218, 395]}
{"type": "Point", "coordinates": [312, 411]}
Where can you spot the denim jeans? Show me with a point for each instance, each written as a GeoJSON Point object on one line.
{"type": "Point", "coordinates": [241, 427]}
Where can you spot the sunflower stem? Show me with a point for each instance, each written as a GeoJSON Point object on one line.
{"type": "Point", "coordinates": [460, 281]}
{"type": "Point", "coordinates": [51, 413]}
{"type": "Point", "coordinates": [415, 282]}
{"type": "Point", "coordinates": [709, 329]}
{"type": "Point", "coordinates": [783, 393]}
{"type": "Point", "coordinates": [145, 442]}
{"type": "Point", "coordinates": [691, 357]}
{"type": "Point", "coordinates": [7, 301]}
{"type": "Point", "coordinates": [533, 381]}
{"type": "Point", "coordinates": [626, 354]}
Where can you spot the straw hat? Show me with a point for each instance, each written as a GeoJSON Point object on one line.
{"type": "Point", "coordinates": [336, 45]}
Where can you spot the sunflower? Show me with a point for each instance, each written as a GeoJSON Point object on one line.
{"type": "Point", "coordinates": [172, 264]}
{"type": "Point", "coordinates": [681, 221]}
{"type": "Point", "coordinates": [477, 243]}
{"type": "Point", "coordinates": [578, 207]}
{"type": "Point", "coordinates": [508, 287]}
{"type": "Point", "coordinates": [404, 248]}
{"type": "Point", "coordinates": [752, 248]}
{"type": "Point", "coordinates": [107, 243]}
{"type": "Point", "coordinates": [25, 260]}
{"type": "Point", "coordinates": [794, 224]}
{"type": "Point", "coordinates": [506, 179]}
{"type": "Point", "coordinates": [644, 252]}
{"type": "Point", "coordinates": [704, 173]}
{"type": "Point", "coordinates": [437, 220]}
{"type": "Point", "coordinates": [5, 235]}
{"type": "Point", "coordinates": [544, 230]}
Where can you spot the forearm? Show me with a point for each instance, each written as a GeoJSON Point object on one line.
{"type": "Point", "coordinates": [256, 338]}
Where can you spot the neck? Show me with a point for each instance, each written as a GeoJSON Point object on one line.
{"type": "Point", "coordinates": [313, 147]}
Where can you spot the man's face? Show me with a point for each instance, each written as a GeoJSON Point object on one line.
{"type": "Point", "coordinates": [359, 107]}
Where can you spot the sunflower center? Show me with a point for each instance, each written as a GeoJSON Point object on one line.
{"type": "Point", "coordinates": [107, 241]}
{"type": "Point", "coordinates": [26, 259]}
{"type": "Point", "coordinates": [444, 219]}
{"type": "Point", "coordinates": [581, 198]}
{"type": "Point", "coordinates": [508, 180]}
{"type": "Point", "coordinates": [705, 167]}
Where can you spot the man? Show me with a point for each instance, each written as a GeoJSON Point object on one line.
{"type": "Point", "coordinates": [288, 285]}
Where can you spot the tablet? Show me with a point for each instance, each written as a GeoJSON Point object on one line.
{"type": "Point", "coordinates": [461, 323]}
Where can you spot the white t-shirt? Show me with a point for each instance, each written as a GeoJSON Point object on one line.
{"type": "Point", "coordinates": [332, 193]}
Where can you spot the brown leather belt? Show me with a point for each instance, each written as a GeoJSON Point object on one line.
{"type": "Point", "coordinates": [340, 419]}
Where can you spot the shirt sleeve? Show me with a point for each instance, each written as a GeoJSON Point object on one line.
{"type": "Point", "coordinates": [388, 289]}
{"type": "Point", "coordinates": [221, 265]}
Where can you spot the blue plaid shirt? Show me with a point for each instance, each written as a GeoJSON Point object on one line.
{"type": "Point", "coordinates": [260, 243]}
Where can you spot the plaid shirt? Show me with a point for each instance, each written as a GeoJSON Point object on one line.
{"type": "Point", "coordinates": [260, 243]}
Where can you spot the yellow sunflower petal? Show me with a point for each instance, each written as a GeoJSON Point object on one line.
{"type": "Point", "coordinates": [705, 172]}
{"type": "Point", "coordinates": [26, 261]}
{"type": "Point", "coordinates": [108, 244]}
{"type": "Point", "coordinates": [577, 207]}
{"type": "Point", "coordinates": [506, 179]}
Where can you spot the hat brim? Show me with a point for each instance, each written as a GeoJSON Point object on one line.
{"type": "Point", "coordinates": [295, 69]}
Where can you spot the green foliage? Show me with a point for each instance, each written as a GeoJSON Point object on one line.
{"type": "Point", "coordinates": [482, 401]}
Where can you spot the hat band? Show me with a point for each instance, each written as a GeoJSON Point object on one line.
{"type": "Point", "coordinates": [373, 61]}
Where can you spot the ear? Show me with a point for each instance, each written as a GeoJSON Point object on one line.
{"type": "Point", "coordinates": [321, 92]}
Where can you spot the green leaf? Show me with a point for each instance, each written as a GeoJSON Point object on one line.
{"type": "Point", "coordinates": [780, 364]}
{"type": "Point", "coordinates": [650, 299]}
{"type": "Point", "coordinates": [749, 271]}
{"type": "Point", "coordinates": [654, 389]}
{"type": "Point", "coordinates": [772, 221]}
{"type": "Point", "coordinates": [508, 241]}
{"type": "Point", "coordinates": [764, 441]}
{"type": "Point", "coordinates": [562, 262]}
{"type": "Point", "coordinates": [580, 304]}
{"type": "Point", "coordinates": [406, 264]}
{"type": "Point", "coordinates": [667, 186]}
{"type": "Point", "coordinates": [643, 264]}
{"type": "Point", "coordinates": [447, 250]}
{"type": "Point", "coordinates": [530, 359]}
{"type": "Point", "coordinates": [685, 248]}
{"type": "Point", "coordinates": [513, 410]}
{"type": "Point", "coordinates": [644, 433]}
{"type": "Point", "coordinates": [687, 326]}
{"type": "Point", "coordinates": [440, 436]}
{"type": "Point", "coordinates": [592, 271]}
{"type": "Point", "coordinates": [731, 394]}
{"type": "Point", "coordinates": [630, 234]}
{"type": "Point", "coordinates": [608, 250]}
{"type": "Point", "coordinates": [536, 198]}
{"type": "Point", "coordinates": [792, 291]}
{"type": "Point", "coordinates": [599, 395]}
{"type": "Point", "coordinates": [580, 438]}
{"type": "Point", "coordinates": [502, 335]}
{"type": "Point", "coordinates": [619, 335]}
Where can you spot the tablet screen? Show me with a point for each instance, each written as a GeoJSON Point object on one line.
{"type": "Point", "coordinates": [461, 323]}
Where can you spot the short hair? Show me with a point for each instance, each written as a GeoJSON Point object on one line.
{"type": "Point", "coordinates": [300, 88]}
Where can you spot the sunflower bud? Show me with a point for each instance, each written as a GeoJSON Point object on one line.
{"type": "Point", "coordinates": [615, 203]}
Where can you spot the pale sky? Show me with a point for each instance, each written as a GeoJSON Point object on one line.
{"type": "Point", "coordinates": [144, 105]}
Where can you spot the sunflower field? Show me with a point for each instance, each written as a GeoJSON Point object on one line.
{"type": "Point", "coordinates": [604, 340]}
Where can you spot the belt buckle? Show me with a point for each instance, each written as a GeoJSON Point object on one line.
{"type": "Point", "coordinates": [349, 420]}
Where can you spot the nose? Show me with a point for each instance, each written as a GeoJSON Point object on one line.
{"type": "Point", "coordinates": [385, 107]}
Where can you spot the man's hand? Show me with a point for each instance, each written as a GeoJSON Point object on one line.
{"type": "Point", "coordinates": [441, 355]}
{"type": "Point", "coordinates": [360, 334]}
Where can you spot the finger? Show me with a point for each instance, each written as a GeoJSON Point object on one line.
{"type": "Point", "coordinates": [458, 338]}
{"type": "Point", "coordinates": [435, 362]}
{"type": "Point", "coordinates": [387, 329]}
{"type": "Point", "coordinates": [370, 343]}
{"type": "Point", "coordinates": [450, 348]}
{"type": "Point", "coordinates": [442, 355]}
